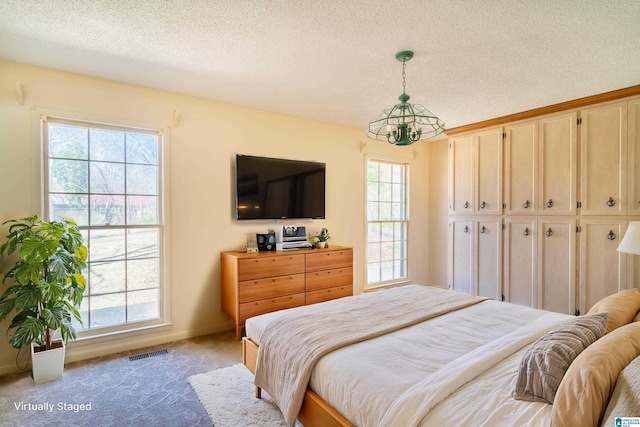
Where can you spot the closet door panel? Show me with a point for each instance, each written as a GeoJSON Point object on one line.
{"type": "Point", "coordinates": [603, 136]}
{"type": "Point", "coordinates": [520, 275]}
{"type": "Point", "coordinates": [558, 147]}
{"type": "Point", "coordinates": [556, 265]}
{"type": "Point", "coordinates": [488, 198]}
{"type": "Point", "coordinates": [461, 171]}
{"type": "Point", "coordinates": [521, 168]}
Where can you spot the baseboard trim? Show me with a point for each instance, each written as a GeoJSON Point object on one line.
{"type": "Point", "coordinates": [81, 351]}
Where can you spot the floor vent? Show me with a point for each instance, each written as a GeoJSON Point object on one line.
{"type": "Point", "coordinates": [149, 354]}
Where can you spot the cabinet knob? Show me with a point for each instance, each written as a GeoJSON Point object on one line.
{"type": "Point", "coordinates": [466, 228]}
{"type": "Point", "coordinates": [611, 235]}
{"type": "Point", "coordinates": [611, 203]}
{"type": "Point", "coordinates": [466, 205]}
{"type": "Point", "coordinates": [549, 232]}
{"type": "Point", "coordinates": [483, 205]}
{"type": "Point", "coordinates": [526, 231]}
{"type": "Point", "coordinates": [483, 229]}
{"type": "Point", "coordinates": [526, 204]}
{"type": "Point", "coordinates": [550, 203]}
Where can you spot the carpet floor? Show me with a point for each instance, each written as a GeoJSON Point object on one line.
{"type": "Point", "coordinates": [151, 391]}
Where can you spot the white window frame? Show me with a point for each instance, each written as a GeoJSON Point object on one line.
{"type": "Point", "coordinates": [406, 221]}
{"type": "Point", "coordinates": [163, 321]}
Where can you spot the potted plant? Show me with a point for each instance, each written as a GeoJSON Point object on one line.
{"type": "Point", "coordinates": [323, 238]}
{"type": "Point", "coordinates": [45, 287]}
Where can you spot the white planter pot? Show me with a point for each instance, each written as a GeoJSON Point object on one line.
{"type": "Point", "coordinates": [47, 365]}
{"type": "Point", "coordinates": [321, 244]}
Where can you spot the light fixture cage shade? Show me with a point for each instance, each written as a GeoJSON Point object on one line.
{"type": "Point", "coordinates": [630, 243]}
{"type": "Point", "coordinates": [415, 116]}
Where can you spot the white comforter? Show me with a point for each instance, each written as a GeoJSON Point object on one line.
{"type": "Point", "coordinates": [457, 369]}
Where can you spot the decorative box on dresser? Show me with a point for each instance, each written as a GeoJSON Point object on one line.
{"type": "Point", "coordinates": [258, 283]}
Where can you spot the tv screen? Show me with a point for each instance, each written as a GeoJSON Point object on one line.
{"type": "Point", "coordinates": [269, 188]}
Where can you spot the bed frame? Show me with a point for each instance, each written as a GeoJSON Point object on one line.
{"type": "Point", "coordinates": [315, 412]}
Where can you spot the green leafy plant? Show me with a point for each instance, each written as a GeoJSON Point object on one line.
{"type": "Point", "coordinates": [46, 283]}
{"type": "Point", "coordinates": [324, 235]}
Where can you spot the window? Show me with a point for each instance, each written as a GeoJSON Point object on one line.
{"type": "Point", "coordinates": [387, 222]}
{"type": "Point", "coordinates": [108, 179]}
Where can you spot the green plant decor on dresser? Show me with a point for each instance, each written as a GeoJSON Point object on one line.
{"type": "Point", "coordinates": [45, 285]}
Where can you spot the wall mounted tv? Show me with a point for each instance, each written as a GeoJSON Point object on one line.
{"type": "Point", "coordinates": [270, 188]}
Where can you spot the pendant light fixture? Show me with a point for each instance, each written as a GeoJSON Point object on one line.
{"type": "Point", "coordinates": [405, 123]}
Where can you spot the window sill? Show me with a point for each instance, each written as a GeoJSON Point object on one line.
{"type": "Point", "coordinates": [114, 335]}
{"type": "Point", "coordinates": [383, 285]}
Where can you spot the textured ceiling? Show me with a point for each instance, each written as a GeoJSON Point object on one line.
{"type": "Point", "coordinates": [333, 60]}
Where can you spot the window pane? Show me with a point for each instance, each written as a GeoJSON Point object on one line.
{"type": "Point", "coordinates": [397, 193]}
{"type": "Point", "coordinates": [107, 245]}
{"type": "Point", "coordinates": [385, 192]}
{"type": "Point", "coordinates": [387, 251]}
{"type": "Point", "coordinates": [373, 232]}
{"type": "Point", "coordinates": [69, 205]}
{"type": "Point", "coordinates": [142, 243]}
{"type": "Point", "coordinates": [142, 210]}
{"type": "Point", "coordinates": [373, 252]}
{"type": "Point", "coordinates": [372, 192]}
{"type": "Point", "coordinates": [142, 148]}
{"type": "Point", "coordinates": [387, 231]}
{"type": "Point", "coordinates": [68, 176]}
{"type": "Point", "coordinates": [143, 274]}
{"type": "Point", "coordinates": [385, 211]}
{"type": "Point", "coordinates": [373, 273]}
{"type": "Point", "coordinates": [386, 272]}
{"type": "Point", "coordinates": [107, 310]}
{"type": "Point", "coordinates": [373, 211]}
{"type": "Point", "coordinates": [107, 209]}
{"type": "Point", "coordinates": [143, 305]}
{"type": "Point", "coordinates": [385, 172]}
{"type": "Point", "coordinates": [107, 277]}
{"type": "Point", "coordinates": [398, 174]}
{"type": "Point", "coordinates": [373, 172]}
{"type": "Point", "coordinates": [68, 141]}
{"type": "Point", "coordinates": [107, 145]}
{"type": "Point", "coordinates": [142, 179]}
{"type": "Point", "coordinates": [107, 178]}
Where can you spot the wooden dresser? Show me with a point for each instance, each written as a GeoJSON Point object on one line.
{"type": "Point", "coordinates": [259, 283]}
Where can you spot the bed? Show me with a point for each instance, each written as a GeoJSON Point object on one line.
{"type": "Point", "coordinates": [422, 356]}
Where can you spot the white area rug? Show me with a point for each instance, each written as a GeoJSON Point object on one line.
{"type": "Point", "coordinates": [228, 396]}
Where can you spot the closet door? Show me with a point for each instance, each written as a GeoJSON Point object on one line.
{"type": "Point", "coordinates": [520, 272]}
{"type": "Point", "coordinates": [488, 256]}
{"type": "Point", "coordinates": [461, 171]}
{"type": "Point", "coordinates": [603, 136]}
{"type": "Point", "coordinates": [488, 193]}
{"type": "Point", "coordinates": [558, 145]}
{"type": "Point", "coordinates": [602, 268]}
{"type": "Point", "coordinates": [557, 265]}
{"type": "Point", "coordinates": [521, 168]}
{"type": "Point", "coordinates": [461, 244]}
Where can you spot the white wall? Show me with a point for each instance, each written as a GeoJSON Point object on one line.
{"type": "Point", "coordinates": [201, 152]}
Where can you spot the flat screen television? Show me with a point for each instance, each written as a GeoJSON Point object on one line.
{"type": "Point", "coordinates": [271, 188]}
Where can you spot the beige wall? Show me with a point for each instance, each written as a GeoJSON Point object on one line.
{"type": "Point", "coordinates": [201, 151]}
{"type": "Point", "coordinates": [438, 211]}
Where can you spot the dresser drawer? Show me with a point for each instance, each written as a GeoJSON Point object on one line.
{"type": "Point", "coordinates": [329, 278]}
{"type": "Point", "coordinates": [329, 294]}
{"type": "Point", "coordinates": [253, 290]}
{"type": "Point", "coordinates": [250, 309]}
{"type": "Point", "coordinates": [325, 259]}
{"type": "Point", "coordinates": [261, 267]}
